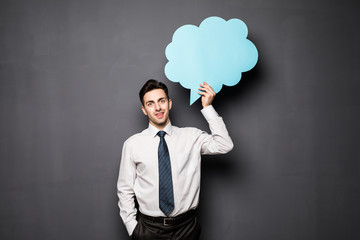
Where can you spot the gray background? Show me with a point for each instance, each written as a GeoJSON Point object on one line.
{"type": "Point", "coordinates": [70, 72]}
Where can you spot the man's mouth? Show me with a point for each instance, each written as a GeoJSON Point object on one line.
{"type": "Point", "coordinates": [159, 115]}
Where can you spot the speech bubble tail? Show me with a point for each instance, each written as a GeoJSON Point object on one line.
{"type": "Point", "coordinates": [194, 95]}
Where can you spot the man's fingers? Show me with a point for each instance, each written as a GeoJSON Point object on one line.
{"type": "Point", "coordinates": [203, 93]}
{"type": "Point", "coordinates": [207, 88]}
{"type": "Point", "coordinates": [207, 94]}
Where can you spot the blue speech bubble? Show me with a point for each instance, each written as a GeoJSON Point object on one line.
{"type": "Point", "coordinates": [216, 52]}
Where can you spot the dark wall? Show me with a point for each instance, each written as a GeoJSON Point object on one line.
{"type": "Point", "coordinates": [70, 72]}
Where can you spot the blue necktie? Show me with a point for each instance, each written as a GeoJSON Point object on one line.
{"type": "Point", "coordinates": [166, 195]}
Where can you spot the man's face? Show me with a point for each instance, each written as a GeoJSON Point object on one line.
{"type": "Point", "coordinates": [156, 107]}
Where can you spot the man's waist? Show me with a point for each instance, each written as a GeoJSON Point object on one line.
{"type": "Point", "coordinates": [170, 220]}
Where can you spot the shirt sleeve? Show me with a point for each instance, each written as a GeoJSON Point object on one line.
{"type": "Point", "coordinates": [125, 189]}
{"type": "Point", "coordinates": [219, 141]}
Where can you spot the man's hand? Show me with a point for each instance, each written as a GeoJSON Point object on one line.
{"type": "Point", "coordinates": [207, 94]}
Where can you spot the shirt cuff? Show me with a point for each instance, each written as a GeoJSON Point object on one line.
{"type": "Point", "coordinates": [209, 113]}
{"type": "Point", "coordinates": [130, 226]}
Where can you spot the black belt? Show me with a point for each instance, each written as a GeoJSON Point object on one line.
{"type": "Point", "coordinates": [166, 221]}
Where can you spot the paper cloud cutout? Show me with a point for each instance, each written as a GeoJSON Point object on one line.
{"type": "Point", "coordinates": [216, 52]}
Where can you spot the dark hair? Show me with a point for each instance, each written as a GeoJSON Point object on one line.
{"type": "Point", "coordinates": [151, 85]}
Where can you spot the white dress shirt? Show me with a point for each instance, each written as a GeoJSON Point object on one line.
{"type": "Point", "coordinates": [138, 174]}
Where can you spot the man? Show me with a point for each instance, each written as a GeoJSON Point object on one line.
{"type": "Point", "coordinates": [160, 167]}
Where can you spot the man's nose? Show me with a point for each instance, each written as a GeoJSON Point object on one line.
{"type": "Point", "coordinates": [157, 106]}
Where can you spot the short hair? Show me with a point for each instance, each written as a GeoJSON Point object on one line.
{"type": "Point", "coordinates": [151, 85]}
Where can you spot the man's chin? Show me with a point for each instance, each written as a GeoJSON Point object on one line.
{"type": "Point", "coordinates": [160, 123]}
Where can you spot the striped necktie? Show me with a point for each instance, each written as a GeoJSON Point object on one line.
{"type": "Point", "coordinates": [166, 195]}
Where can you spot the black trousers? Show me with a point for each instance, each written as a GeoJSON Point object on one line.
{"type": "Point", "coordinates": [147, 229]}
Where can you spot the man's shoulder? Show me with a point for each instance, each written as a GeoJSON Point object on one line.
{"type": "Point", "coordinates": [137, 136]}
{"type": "Point", "coordinates": [186, 130]}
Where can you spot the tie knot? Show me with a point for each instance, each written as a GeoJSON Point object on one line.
{"type": "Point", "coordinates": [161, 134]}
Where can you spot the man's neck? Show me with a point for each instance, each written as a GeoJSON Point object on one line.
{"type": "Point", "coordinates": [160, 127]}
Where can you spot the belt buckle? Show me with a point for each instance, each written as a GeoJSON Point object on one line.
{"type": "Point", "coordinates": [164, 221]}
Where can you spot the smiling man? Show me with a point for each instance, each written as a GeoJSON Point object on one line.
{"type": "Point", "coordinates": [157, 106]}
{"type": "Point", "coordinates": [160, 167]}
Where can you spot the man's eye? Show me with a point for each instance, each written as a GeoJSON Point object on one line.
{"type": "Point", "coordinates": [163, 100]}
{"type": "Point", "coordinates": [149, 104]}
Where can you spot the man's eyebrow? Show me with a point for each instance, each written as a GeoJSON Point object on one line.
{"type": "Point", "coordinates": [150, 101]}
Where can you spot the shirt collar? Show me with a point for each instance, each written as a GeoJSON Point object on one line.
{"type": "Point", "coordinates": [153, 130]}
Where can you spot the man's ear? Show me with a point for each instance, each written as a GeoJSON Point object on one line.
{"type": "Point", "coordinates": [170, 104]}
{"type": "Point", "coordinates": [143, 109]}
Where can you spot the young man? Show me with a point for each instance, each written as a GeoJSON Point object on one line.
{"type": "Point", "coordinates": [161, 168]}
